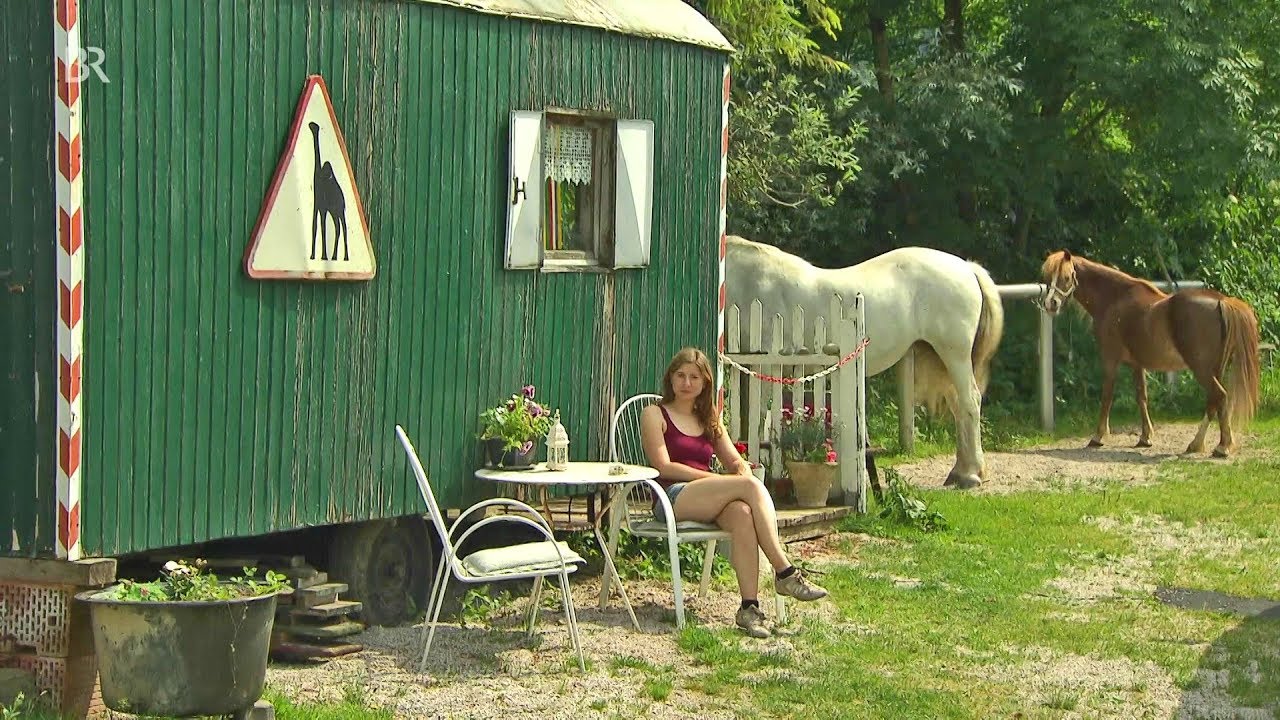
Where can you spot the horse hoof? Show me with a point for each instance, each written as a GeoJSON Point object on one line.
{"type": "Point", "coordinates": [1094, 443]}
{"type": "Point", "coordinates": [1221, 452]}
{"type": "Point", "coordinates": [1143, 443]}
{"type": "Point", "coordinates": [1194, 449]}
{"type": "Point", "coordinates": [962, 481]}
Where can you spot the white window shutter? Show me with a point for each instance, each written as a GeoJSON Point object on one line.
{"type": "Point", "coordinates": [634, 202]}
{"type": "Point", "coordinates": [524, 192]}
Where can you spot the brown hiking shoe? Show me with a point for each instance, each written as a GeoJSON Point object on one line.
{"type": "Point", "coordinates": [751, 620]}
{"type": "Point", "coordinates": [797, 587]}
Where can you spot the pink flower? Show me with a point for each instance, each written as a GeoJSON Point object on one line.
{"type": "Point", "coordinates": [831, 456]}
{"type": "Point", "coordinates": [528, 391]}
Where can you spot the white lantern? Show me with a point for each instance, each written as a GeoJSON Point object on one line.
{"type": "Point", "coordinates": [557, 446]}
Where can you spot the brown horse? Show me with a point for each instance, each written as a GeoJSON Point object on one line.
{"type": "Point", "coordinates": [1146, 329]}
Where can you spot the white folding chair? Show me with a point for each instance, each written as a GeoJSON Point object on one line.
{"type": "Point", "coordinates": [537, 560]}
{"type": "Point", "coordinates": [634, 506]}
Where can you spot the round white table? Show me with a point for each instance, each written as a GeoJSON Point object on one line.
{"type": "Point", "coordinates": [590, 475]}
{"type": "Point", "coordinates": [586, 474]}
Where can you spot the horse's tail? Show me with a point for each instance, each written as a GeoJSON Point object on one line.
{"type": "Point", "coordinates": [1241, 351]}
{"type": "Point", "coordinates": [933, 385]}
{"type": "Point", "coordinates": [990, 327]}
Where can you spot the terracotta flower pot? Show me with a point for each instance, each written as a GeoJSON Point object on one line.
{"type": "Point", "coordinates": [812, 481]}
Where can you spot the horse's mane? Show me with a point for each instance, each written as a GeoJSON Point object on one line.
{"type": "Point", "coordinates": [1053, 266]}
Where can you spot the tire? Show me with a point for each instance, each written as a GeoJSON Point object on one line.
{"type": "Point", "coordinates": [387, 565]}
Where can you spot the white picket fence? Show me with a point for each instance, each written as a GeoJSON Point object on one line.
{"type": "Point", "coordinates": [754, 405]}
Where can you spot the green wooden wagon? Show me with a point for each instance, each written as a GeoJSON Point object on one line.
{"type": "Point", "coordinates": [541, 183]}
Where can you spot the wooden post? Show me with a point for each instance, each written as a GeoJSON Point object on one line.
{"type": "Point", "coordinates": [907, 402]}
{"type": "Point", "coordinates": [859, 379]}
{"type": "Point", "coordinates": [846, 402]}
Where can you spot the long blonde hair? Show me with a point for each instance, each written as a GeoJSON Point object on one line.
{"type": "Point", "coordinates": [704, 408]}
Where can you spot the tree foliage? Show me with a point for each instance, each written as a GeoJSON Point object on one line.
{"type": "Point", "coordinates": [1143, 133]}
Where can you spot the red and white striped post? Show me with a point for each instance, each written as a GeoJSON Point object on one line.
{"type": "Point", "coordinates": [70, 229]}
{"type": "Point", "coordinates": [724, 175]}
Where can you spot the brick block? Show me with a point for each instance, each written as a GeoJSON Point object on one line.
{"type": "Point", "coordinates": [261, 710]}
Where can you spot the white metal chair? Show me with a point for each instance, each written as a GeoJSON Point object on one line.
{"type": "Point", "coordinates": [635, 505]}
{"type": "Point", "coordinates": [537, 560]}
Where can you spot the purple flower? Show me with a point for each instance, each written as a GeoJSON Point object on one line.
{"type": "Point", "coordinates": [526, 447]}
{"type": "Point", "coordinates": [534, 408]}
{"type": "Point", "coordinates": [528, 391]}
{"type": "Point", "coordinates": [511, 404]}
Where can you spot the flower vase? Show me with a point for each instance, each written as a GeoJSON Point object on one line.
{"type": "Point", "coordinates": [812, 481]}
{"type": "Point", "coordinates": [516, 460]}
{"type": "Point", "coordinates": [496, 456]}
{"type": "Point", "coordinates": [492, 452]}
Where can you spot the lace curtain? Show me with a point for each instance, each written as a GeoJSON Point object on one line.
{"type": "Point", "coordinates": [566, 154]}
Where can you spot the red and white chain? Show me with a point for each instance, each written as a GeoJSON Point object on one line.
{"type": "Point", "coordinates": [790, 380]}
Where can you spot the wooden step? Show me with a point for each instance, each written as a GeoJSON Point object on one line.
{"type": "Point", "coordinates": [294, 650]}
{"type": "Point", "coordinates": [327, 610]}
{"type": "Point", "coordinates": [303, 571]}
{"type": "Point", "coordinates": [331, 630]}
{"type": "Point", "coordinates": [318, 578]}
{"type": "Point", "coordinates": [309, 597]}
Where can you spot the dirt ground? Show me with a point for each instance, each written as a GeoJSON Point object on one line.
{"type": "Point", "coordinates": [491, 670]}
{"type": "Point", "coordinates": [1068, 463]}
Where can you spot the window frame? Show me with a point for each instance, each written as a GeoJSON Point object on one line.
{"type": "Point", "coordinates": [603, 201]}
{"type": "Point", "coordinates": [620, 212]}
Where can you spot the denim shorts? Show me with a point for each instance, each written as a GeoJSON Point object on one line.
{"type": "Point", "coordinates": [672, 492]}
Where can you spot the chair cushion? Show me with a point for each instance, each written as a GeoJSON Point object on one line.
{"type": "Point", "coordinates": [653, 527]}
{"type": "Point", "coordinates": [526, 557]}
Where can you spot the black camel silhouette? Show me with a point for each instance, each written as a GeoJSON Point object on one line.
{"type": "Point", "coordinates": [328, 200]}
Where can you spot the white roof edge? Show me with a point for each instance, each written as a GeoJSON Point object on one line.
{"type": "Point", "coordinates": [665, 19]}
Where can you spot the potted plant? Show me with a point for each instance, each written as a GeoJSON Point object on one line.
{"type": "Point", "coordinates": [510, 431]}
{"type": "Point", "coordinates": [186, 644]}
{"type": "Point", "coordinates": [807, 441]}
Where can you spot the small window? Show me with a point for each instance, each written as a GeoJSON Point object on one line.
{"type": "Point", "coordinates": [580, 192]}
{"type": "Point", "coordinates": [577, 203]}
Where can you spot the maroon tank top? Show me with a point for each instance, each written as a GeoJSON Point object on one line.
{"type": "Point", "coordinates": [692, 450]}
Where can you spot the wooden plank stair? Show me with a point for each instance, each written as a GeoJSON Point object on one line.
{"type": "Point", "coordinates": [311, 621]}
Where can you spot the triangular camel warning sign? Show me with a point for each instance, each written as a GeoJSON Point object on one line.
{"type": "Point", "coordinates": [312, 225]}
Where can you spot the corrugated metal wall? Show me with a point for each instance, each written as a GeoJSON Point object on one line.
{"type": "Point", "coordinates": [220, 406]}
{"type": "Point", "coordinates": [28, 295]}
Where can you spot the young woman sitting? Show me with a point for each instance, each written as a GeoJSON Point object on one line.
{"type": "Point", "coordinates": [680, 434]}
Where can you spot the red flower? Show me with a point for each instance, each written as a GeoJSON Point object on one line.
{"type": "Point", "coordinates": [831, 456]}
{"type": "Point", "coordinates": [741, 447]}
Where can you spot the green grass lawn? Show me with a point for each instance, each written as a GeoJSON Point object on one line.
{"type": "Point", "coordinates": [978, 601]}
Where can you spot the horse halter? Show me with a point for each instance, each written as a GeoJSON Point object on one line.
{"type": "Point", "coordinates": [1053, 292]}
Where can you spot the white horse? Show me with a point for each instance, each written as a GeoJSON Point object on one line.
{"type": "Point", "coordinates": [946, 307]}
